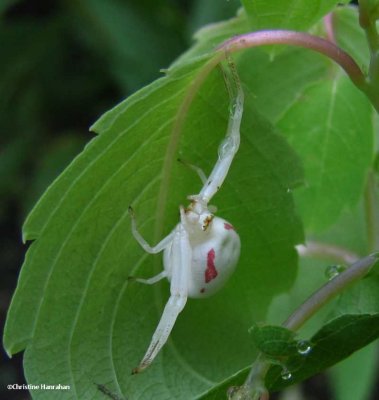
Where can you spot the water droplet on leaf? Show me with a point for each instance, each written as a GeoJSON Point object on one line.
{"type": "Point", "coordinates": [286, 374]}
{"type": "Point", "coordinates": [303, 347]}
{"type": "Point", "coordinates": [334, 270]}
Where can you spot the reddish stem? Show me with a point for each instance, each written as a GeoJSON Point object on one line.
{"type": "Point", "coordinates": [299, 39]}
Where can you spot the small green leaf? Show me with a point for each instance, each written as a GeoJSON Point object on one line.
{"type": "Point", "coordinates": [273, 341]}
{"type": "Point", "coordinates": [292, 14]}
{"type": "Point", "coordinates": [332, 343]}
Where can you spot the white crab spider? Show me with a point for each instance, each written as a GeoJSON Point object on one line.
{"type": "Point", "coordinates": [202, 251]}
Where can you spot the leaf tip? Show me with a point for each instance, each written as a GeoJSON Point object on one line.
{"type": "Point", "coordinates": [28, 236]}
{"type": "Point", "coordinates": [8, 353]}
{"type": "Point", "coordinates": [8, 345]}
{"type": "Point", "coordinates": [94, 128]}
{"type": "Point", "coordinates": [24, 237]}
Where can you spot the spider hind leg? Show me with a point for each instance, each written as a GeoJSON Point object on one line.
{"type": "Point", "coordinates": [180, 264]}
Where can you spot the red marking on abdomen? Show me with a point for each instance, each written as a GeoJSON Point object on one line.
{"type": "Point", "coordinates": [210, 272]}
{"type": "Point", "coordinates": [228, 226]}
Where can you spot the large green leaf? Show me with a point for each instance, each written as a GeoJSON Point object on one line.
{"type": "Point", "coordinates": [331, 129]}
{"type": "Point", "coordinates": [291, 14]}
{"type": "Point", "coordinates": [73, 298]}
{"type": "Point", "coordinates": [276, 83]}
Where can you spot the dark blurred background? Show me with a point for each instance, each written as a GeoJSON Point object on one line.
{"type": "Point", "coordinates": [62, 64]}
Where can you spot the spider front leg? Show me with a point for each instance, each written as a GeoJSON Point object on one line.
{"type": "Point", "coordinates": [152, 250]}
{"type": "Point", "coordinates": [229, 146]}
{"type": "Point", "coordinates": [149, 249]}
{"type": "Point", "coordinates": [195, 168]}
{"type": "Point", "coordinates": [179, 259]}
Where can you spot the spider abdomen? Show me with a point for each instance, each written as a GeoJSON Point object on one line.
{"type": "Point", "coordinates": [214, 259]}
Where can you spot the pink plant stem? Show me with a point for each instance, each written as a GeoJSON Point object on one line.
{"type": "Point", "coordinates": [299, 39]}
{"type": "Point", "coordinates": [262, 38]}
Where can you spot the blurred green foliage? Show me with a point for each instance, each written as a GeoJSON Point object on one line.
{"type": "Point", "coordinates": [64, 63]}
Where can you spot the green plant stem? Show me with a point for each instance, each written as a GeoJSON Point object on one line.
{"type": "Point", "coordinates": [255, 379]}
{"type": "Point", "coordinates": [331, 289]}
{"type": "Point", "coordinates": [371, 212]}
